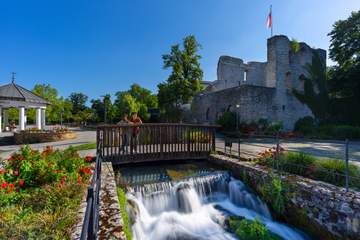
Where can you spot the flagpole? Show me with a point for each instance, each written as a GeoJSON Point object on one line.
{"type": "Point", "coordinates": [271, 20]}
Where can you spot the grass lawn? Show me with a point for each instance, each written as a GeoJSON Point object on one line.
{"type": "Point", "coordinates": [86, 146]}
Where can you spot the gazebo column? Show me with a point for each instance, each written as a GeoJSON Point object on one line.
{"type": "Point", "coordinates": [38, 118]}
{"type": "Point", "coordinates": [6, 118]}
{"type": "Point", "coordinates": [43, 118]}
{"type": "Point", "coordinates": [0, 119]}
{"type": "Point", "coordinates": [21, 118]}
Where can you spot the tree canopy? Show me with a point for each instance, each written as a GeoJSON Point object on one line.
{"type": "Point", "coordinates": [78, 101]}
{"type": "Point", "coordinates": [58, 105]}
{"type": "Point", "coordinates": [136, 99]}
{"type": "Point", "coordinates": [184, 80]}
{"type": "Point", "coordinates": [344, 80]}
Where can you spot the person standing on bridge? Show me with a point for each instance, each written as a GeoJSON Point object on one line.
{"type": "Point", "coordinates": [136, 120]}
{"type": "Point", "coordinates": [125, 134]}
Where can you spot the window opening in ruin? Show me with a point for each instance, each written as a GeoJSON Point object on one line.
{"type": "Point", "coordinates": [228, 108]}
{"type": "Point", "coordinates": [245, 75]}
{"type": "Point", "coordinates": [288, 84]}
{"type": "Point", "coordinates": [207, 113]}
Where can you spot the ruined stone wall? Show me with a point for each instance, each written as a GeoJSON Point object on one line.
{"type": "Point", "coordinates": [282, 72]}
{"type": "Point", "coordinates": [287, 66]}
{"type": "Point", "coordinates": [255, 102]}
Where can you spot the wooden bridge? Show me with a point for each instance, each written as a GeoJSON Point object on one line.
{"type": "Point", "coordinates": [123, 144]}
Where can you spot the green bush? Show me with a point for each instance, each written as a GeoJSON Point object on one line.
{"type": "Point", "coordinates": [274, 192]}
{"type": "Point", "coordinates": [308, 127]}
{"type": "Point", "coordinates": [40, 193]}
{"type": "Point", "coordinates": [263, 124]}
{"type": "Point", "coordinates": [305, 125]}
{"type": "Point", "coordinates": [334, 171]}
{"type": "Point", "coordinates": [328, 170]}
{"type": "Point", "coordinates": [227, 121]}
{"type": "Point", "coordinates": [346, 131]}
{"type": "Point", "coordinates": [124, 215]}
{"type": "Point", "coordinates": [274, 127]}
{"type": "Point", "coordinates": [251, 230]}
{"type": "Point", "coordinates": [297, 163]}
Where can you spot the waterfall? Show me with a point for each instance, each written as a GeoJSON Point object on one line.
{"type": "Point", "coordinates": [196, 208]}
{"type": "Point", "coordinates": [241, 196]}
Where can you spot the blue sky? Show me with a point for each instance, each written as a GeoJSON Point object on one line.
{"type": "Point", "coordinates": [102, 46]}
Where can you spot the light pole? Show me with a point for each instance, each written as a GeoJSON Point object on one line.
{"type": "Point", "coordinates": [104, 96]}
{"type": "Point", "coordinates": [61, 113]}
{"type": "Point", "coordinates": [237, 117]}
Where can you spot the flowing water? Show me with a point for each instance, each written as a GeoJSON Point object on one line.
{"type": "Point", "coordinates": [191, 202]}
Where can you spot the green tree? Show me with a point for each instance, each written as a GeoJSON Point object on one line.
{"type": "Point", "coordinates": [315, 94]}
{"type": "Point", "coordinates": [136, 99]}
{"type": "Point", "coordinates": [184, 80]}
{"type": "Point", "coordinates": [344, 81]}
{"type": "Point", "coordinates": [57, 104]}
{"type": "Point", "coordinates": [78, 101]}
{"type": "Point", "coordinates": [97, 105]}
{"type": "Point", "coordinates": [125, 103]}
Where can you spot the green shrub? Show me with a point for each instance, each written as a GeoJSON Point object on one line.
{"type": "Point", "coordinates": [274, 192]}
{"type": "Point", "coordinates": [40, 193]}
{"type": "Point", "coordinates": [126, 223]}
{"type": "Point", "coordinates": [305, 125]}
{"type": "Point", "coordinates": [295, 45]}
{"type": "Point", "coordinates": [252, 230]}
{"type": "Point", "coordinates": [328, 170]}
{"type": "Point", "coordinates": [337, 132]}
{"type": "Point", "coordinates": [227, 121]}
{"type": "Point", "coordinates": [334, 171]}
{"type": "Point", "coordinates": [274, 127]}
{"type": "Point", "coordinates": [297, 163]}
{"type": "Point", "coordinates": [263, 124]}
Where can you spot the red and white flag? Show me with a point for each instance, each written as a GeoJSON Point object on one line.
{"type": "Point", "coordinates": [269, 19]}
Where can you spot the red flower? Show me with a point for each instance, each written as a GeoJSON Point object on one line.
{"type": "Point", "coordinates": [11, 185]}
{"type": "Point", "coordinates": [21, 182]}
{"type": "Point", "coordinates": [9, 190]}
{"type": "Point", "coordinates": [4, 185]}
{"type": "Point", "coordinates": [89, 158]}
{"type": "Point", "coordinates": [86, 170]}
{"type": "Point", "coordinates": [16, 173]}
{"type": "Point", "coordinates": [1, 171]}
{"type": "Point", "coordinates": [79, 180]}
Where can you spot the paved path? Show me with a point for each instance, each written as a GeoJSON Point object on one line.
{"type": "Point", "coordinates": [82, 138]}
{"type": "Point", "coordinates": [320, 148]}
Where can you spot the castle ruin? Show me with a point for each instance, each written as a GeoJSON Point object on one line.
{"type": "Point", "coordinates": [256, 90]}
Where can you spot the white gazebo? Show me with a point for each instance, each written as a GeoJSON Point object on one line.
{"type": "Point", "coordinates": [15, 96]}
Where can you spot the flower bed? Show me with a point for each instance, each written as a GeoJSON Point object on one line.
{"type": "Point", "coordinates": [39, 136]}
{"type": "Point", "coordinates": [40, 193]}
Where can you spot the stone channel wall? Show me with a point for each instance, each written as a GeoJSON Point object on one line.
{"type": "Point", "coordinates": [322, 210]}
{"type": "Point", "coordinates": [110, 221]}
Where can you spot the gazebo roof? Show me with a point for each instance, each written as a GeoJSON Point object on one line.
{"type": "Point", "coordinates": [15, 92]}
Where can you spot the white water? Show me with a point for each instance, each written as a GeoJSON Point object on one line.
{"type": "Point", "coordinates": [196, 208]}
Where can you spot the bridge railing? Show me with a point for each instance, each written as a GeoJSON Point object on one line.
{"type": "Point", "coordinates": [150, 142]}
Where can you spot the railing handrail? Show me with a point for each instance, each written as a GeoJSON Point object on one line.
{"type": "Point", "coordinates": [126, 143]}
{"type": "Point", "coordinates": [158, 124]}
{"type": "Point", "coordinates": [91, 217]}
